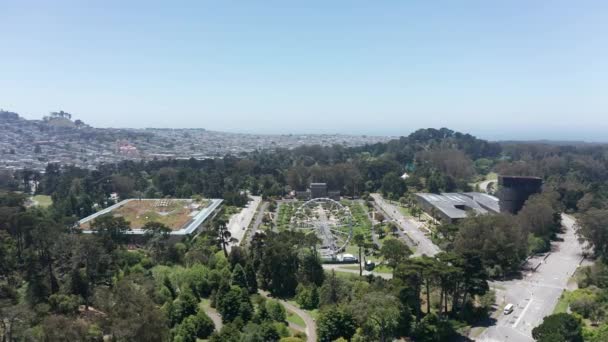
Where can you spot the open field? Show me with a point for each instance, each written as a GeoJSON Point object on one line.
{"type": "Point", "coordinates": [174, 213]}
{"type": "Point", "coordinates": [377, 269]}
{"type": "Point", "coordinates": [295, 319]}
{"type": "Point", "coordinates": [42, 200]}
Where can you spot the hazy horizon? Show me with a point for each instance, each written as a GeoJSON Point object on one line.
{"type": "Point", "coordinates": [598, 136]}
{"type": "Point", "coordinates": [501, 71]}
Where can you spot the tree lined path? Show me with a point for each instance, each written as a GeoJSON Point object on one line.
{"type": "Point", "coordinates": [213, 314]}
{"type": "Point", "coordinates": [311, 325]}
{"type": "Point", "coordinates": [536, 295]}
{"type": "Point", "coordinates": [424, 245]}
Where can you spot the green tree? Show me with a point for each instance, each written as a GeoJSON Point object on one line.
{"type": "Point", "coordinates": [540, 217]}
{"type": "Point", "coordinates": [334, 323]}
{"type": "Point", "coordinates": [235, 303]}
{"type": "Point", "coordinates": [557, 328]}
{"type": "Point", "coordinates": [193, 326]}
{"type": "Point", "coordinates": [252, 282]}
{"type": "Point", "coordinates": [393, 184]}
{"type": "Point", "coordinates": [64, 304]}
{"type": "Point", "coordinates": [334, 290]}
{"type": "Point", "coordinates": [432, 328]}
{"type": "Point", "coordinates": [394, 251]}
{"type": "Point", "coordinates": [362, 244]}
{"type": "Point", "coordinates": [497, 239]}
{"type": "Point", "coordinates": [111, 230]}
{"type": "Point", "coordinates": [157, 239]}
{"type": "Point", "coordinates": [416, 211]}
{"type": "Point", "coordinates": [185, 331]}
{"type": "Point", "coordinates": [57, 328]}
{"type": "Point", "coordinates": [310, 270]}
{"type": "Point", "coordinates": [185, 305]}
{"type": "Point", "coordinates": [223, 235]}
{"type": "Point", "coordinates": [8, 254]}
{"type": "Point", "coordinates": [92, 265]}
{"type": "Point", "coordinates": [594, 230]}
{"type": "Point", "coordinates": [238, 277]}
{"type": "Point", "coordinates": [133, 316]}
{"type": "Point", "coordinates": [230, 333]}
{"type": "Point", "coordinates": [381, 312]}
{"type": "Point", "coordinates": [307, 297]}
{"type": "Point", "coordinates": [279, 261]}
{"type": "Point", "coordinates": [276, 311]}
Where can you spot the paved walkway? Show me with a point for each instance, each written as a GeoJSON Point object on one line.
{"type": "Point", "coordinates": [311, 325]}
{"type": "Point", "coordinates": [483, 186]}
{"type": "Point", "coordinates": [256, 224]}
{"type": "Point", "coordinates": [238, 223]}
{"type": "Point", "coordinates": [214, 315]}
{"type": "Point", "coordinates": [422, 243]}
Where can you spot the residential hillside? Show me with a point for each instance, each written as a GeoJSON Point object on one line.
{"type": "Point", "coordinates": [61, 138]}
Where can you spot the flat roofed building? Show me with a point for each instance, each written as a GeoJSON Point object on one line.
{"type": "Point", "coordinates": [318, 190]}
{"type": "Point", "coordinates": [189, 216]}
{"type": "Point", "coordinates": [451, 207]}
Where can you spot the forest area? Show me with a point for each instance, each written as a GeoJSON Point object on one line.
{"type": "Point", "coordinates": [57, 284]}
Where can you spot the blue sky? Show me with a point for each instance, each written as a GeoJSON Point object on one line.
{"type": "Point", "coordinates": [370, 67]}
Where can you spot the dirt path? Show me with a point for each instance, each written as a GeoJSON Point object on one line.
{"type": "Point", "coordinates": [214, 315]}
{"type": "Point", "coordinates": [311, 325]}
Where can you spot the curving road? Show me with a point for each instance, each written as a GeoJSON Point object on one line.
{"type": "Point", "coordinates": [483, 186]}
{"type": "Point", "coordinates": [214, 315]}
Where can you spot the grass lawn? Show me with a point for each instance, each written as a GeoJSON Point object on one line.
{"type": "Point", "coordinates": [405, 211]}
{"type": "Point", "coordinates": [562, 304]}
{"type": "Point", "coordinates": [490, 176]}
{"type": "Point", "coordinates": [43, 200]}
{"type": "Point", "coordinates": [204, 303]}
{"type": "Point", "coordinates": [383, 269]}
{"type": "Point", "coordinates": [345, 275]}
{"type": "Point", "coordinates": [377, 269]}
{"type": "Point", "coordinates": [352, 249]}
{"type": "Point", "coordinates": [350, 267]}
{"type": "Point", "coordinates": [313, 313]}
{"type": "Point", "coordinates": [292, 317]}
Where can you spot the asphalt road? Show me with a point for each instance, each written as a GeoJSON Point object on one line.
{"type": "Point", "coordinates": [536, 294]}
{"type": "Point", "coordinates": [259, 216]}
{"type": "Point", "coordinates": [238, 223]}
{"type": "Point", "coordinates": [423, 244]}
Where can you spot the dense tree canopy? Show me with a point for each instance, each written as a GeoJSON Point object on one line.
{"type": "Point", "coordinates": [56, 283]}
{"type": "Point", "coordinates": [559, 327]}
